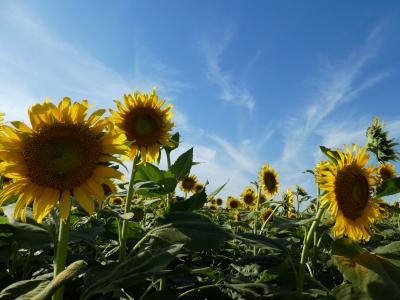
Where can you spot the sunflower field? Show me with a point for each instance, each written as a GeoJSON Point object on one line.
{"type": "Point", "coordinates": [88, 213]}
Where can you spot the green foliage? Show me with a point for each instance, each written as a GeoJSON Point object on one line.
{"type": "Point", "coordinates": [380, 144]}
{"type": "Point", "coordinates": [388, 187]}
{"type": "Point", "coordinates": [371, 274]}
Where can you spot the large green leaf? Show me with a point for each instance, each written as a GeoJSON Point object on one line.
{"type": "Point", "coordinates": [259, 241]}
{"type": "Point", "coordinates": [28, 236]}
{"type": "Point", "coordinates": [390, 251]}
{"type": "Point", "coordinates": [195, 231]}
{"type": "Point", "coordinates": [133, 271]}
{"type": "Point", "coordinates": [196, 201]}
{"type": "Point", "coordinates": [348, 292]}
{"type": "Point", "coordinates": [165, 180]}
{"type": "Point", "coordinates": [23, 290]}
{"type": "Point", "coordinates": [373, 275]}
{"type": "Point", "coordinates": [388, 187]}
{"type": "Point", "coordinates": [181, 167]}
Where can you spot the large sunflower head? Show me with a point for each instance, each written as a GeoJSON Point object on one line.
{"type": "Point", "coordinates": [269, 180]}
{"type": "Point", "coordinates": [386, 171]}
{"type": "Point", "coordinates": [249, 197]}
{"type": "Point", "coordinates": [188, 184]}
{"type": "Point", "coordinates": [232, 203]}
{"type": "Point", "coordinates": [64, 153]}
{"type": "Point", "coordinates": [347, 185]}
{"type": "Point", "coordinates": [145, 123]}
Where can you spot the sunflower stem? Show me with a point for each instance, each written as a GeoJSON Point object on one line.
{"type": "Point", "coordinates": [169, 196]}
{"type": "Point", "coordinates": [124, 231]}
{"type": "Point", "coordinates": [61, 255]}
{"type": "Point", "coordinates": [304, 254]}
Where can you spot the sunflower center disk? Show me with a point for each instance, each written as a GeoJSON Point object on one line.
{"type": "Point", "coordinates": [61, 156]}
{"type": "Point", "coordinates": [248, 199]}
{"type": "Point", "coordinates": [352, 192]}
{"type": "Point", "coordinates": [143, 126]}
{"type": "Point", "coordinates": [270, 181]}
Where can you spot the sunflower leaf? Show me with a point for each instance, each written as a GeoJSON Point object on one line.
{"type": "Point", "coordinates": [388, 187]}
{"type": "Point", "coordinates": [195, 231]}
{"type": "Point", "coordinates": [133, 271]}
{"type": "Point", "coordinates": [372, 274]}
{"type": "Point", "coordinates": [183, 164]}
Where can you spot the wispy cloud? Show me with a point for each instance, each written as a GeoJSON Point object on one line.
{"type": "Point", "coordinates": [231, 90]}
{"type": "Point", "coordinates": [342, 82]}
{"type": "Point", "coordinates": [46, 65]}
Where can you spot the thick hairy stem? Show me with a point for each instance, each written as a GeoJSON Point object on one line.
{"type": "Point", "coordinates": [61, 254]}
{"type": "Point", "coordinates": [124, 231]}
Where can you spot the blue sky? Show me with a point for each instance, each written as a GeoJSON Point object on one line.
{"type": "Point", "coordinates": [252, 82]}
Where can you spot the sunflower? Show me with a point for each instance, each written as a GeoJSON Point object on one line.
{"type": "Point", "coordinates": [64, 154]}
{"type": "Point", "coordinates": [396, 204]}
{"type": "Point", "coordinates": [236, 215]}
{"type": "Point", "coordinates": [116, 200]}
{"type": "Point", "coordinates": [269, 180]}
{"type": "Point", "coordinates": [219, 201]}
{"type": "Point", "coordinates": [249, 197]}
{"type": "Point", "coordinates": [291, 214]}
{"type": "Point", "coordinates": [198, 187]}
{"type": "Point", "coordinates": [262, 198]}
{"type": "Point", "coordinates": [265, 213]}
{"type": "Point", "coordinates": [347, 185]}
{"type": "Point", "coordinates": [386, 171]}
{"type": "Point", "coordinates": [188, 184]}
{"type": "Point", "coordinates": [289, 197]}
{"type": "Point", "coordinates": [145, 124]}
{"type": "Point", "coordinates": [232, 203]}
{"type": "Point", "coordinates": [212, 206]}
{"type": "Point", "coordinates": [300, 191]}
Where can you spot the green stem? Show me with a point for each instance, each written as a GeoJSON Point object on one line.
{"type": "Point", "coordinates": [169, 196]}
{"type": "Point", "coordinates": [61, 255]}
{"type": "Point", "coordinates": [124, 231]}
{"type": "Point", "coordinates": [304, 254]}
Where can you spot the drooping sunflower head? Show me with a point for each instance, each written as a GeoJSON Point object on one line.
{"type": "Point", "coordinates": [213, 201]}
{"type": "Point", "coordinates": [116, 200]}
{"type": "Point", "coordinates": [64, 154]}
{"type": "Point", "coordinates": [269, 180]}
{"type": "Point", "coordinates": [386, 171]}
{"type": "Point", "coordinates": [188, 184]}
{"type": "Point", "coordinates": [300, 191]}
{"type": "Point", "coordinates": [145, 123]}
{"type": "Point", "coordinates": [249, 197]}
{"type": "Point", "coordinates": [347, 185]}
{"type": "Point", "coordinates": [265, 213]}
{"type": "Point", "coordinates": [232, 203]}
{"type": "Point", "coordinates": [288, 197]}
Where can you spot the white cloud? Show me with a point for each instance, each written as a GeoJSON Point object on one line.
{"type": "Point", "coordinates": [231, 89]}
